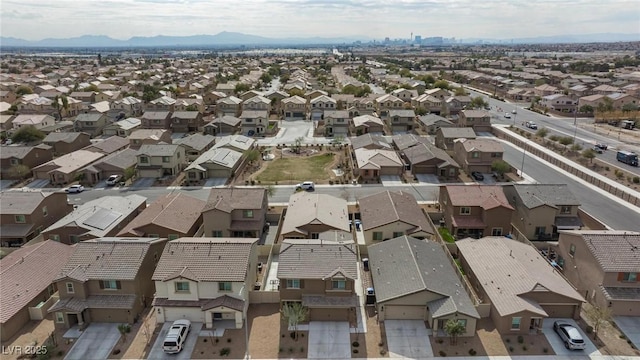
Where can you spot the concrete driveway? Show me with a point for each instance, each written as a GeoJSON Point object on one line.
{"type": "Point", "coordinates": [5, 184]}
{"type": "Point", "coordinates": [557, 344]}
{"type": "Point", "coordinates": [391, 180]}
{"type": "Point", "coordinates": [144, 182]}
{"type": "Point", "coordinates": [428, 178]}
{"type": "Point", "coordinates": [408, 339]}
{"type": "Point", "coordinates": [96, 342]}
{"type": "Point", "coordinates": [156, 352]}
{"type": "Point", "coordinates": [329, 340]}
{"type": "Point", "coordinates": [630, 327]}
{"type": "Point", "coordinates": [38, 184]}
{"type": "Point", "coordinates": [211, 182]}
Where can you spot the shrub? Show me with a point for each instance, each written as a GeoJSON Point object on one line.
{"type": "Point", "coordinates": [442, 353]}
{"type": "Point", "coordinates": [553, 137]}
{"type": "Point", "coordinates": [225, 351]}
{"type": "Point", "coordinates": [520, 339]}
{"type": "Point", "coordinates": [472, 352]}
{"type": "Point", "coordinates": [589, 329]}
{"type": "Point", "coordinates": [636, 180]}
{"type": "Point", "coordinates": [355, 344]}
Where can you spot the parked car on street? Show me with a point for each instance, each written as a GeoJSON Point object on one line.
{"type": "Point", "coordinates": [597, 150]}
{"type": "Point", "coordinates": [602, 146]}
{"type": "Point", "coordinates": [477, 175]}
{"type": "Point", "coordinates": [570, 335]}
{"type": "Point", "coordinates": [507, 115]}
{"type": "Point", "coordinates": [74, 189]}
{"type": "Point", "coordinates": [307, 185]}
{"type": "Point", "coordinates": [177, 335]}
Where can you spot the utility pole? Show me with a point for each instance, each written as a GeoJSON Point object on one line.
{"type": "Point", "coordinates": [575, 124]}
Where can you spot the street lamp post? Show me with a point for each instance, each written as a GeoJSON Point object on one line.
{"type": "Point", "coordinates": [575, 124]}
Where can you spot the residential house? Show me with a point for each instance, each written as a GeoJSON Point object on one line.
{"type": "Point", "coordinates": [425, 158]}
{"type": "Point", "coordinates": [605, 89]}
{"type": "Point", "coordinates": [405, 141]}
{"type": "Point", "coordinates": [230, 106]}
{"type": "Point", "coordinates": [121, 163]}
{"type": "Point", "coordinates": [370, 141]}
{"type": "Point", "coordinates": [365, 124]}
{"type": "Point", "coordinates": [344, 101]}
{"type": "Point", "coordinates": [5, 119]}
{"type": "Point", "coordinates": [122, 128]}
{"type": "Point", "coordinates": [432, 296]}
{"type": "Point", "coordinates": [223, 125]}
{"type": "Point", "coordinates": [521, 287]}
{"type": "Point", "coordinates": [38, 121]}
{"type": "Point", "coordinates": [401, 120]}
{"type": "Point", "coordinates": [579, 90]}
{"type": "Point", "coordinates": [239, 143]}
{"type": "Point", "coordinates": [65, 142]}
{"type": "Point", "coordinates": [163, 103]}
{"type": "Point", "coordinates": [106, 280]}
{"type": "Point", "coordinates": [8, 96]}
{"type": "Point", "coordinates": [322, 275]}
{"type": "Point", "coordinates": [371, 164]}
{"type": "Point", "coordinates": [254, 122]}
{"type": "Point", "coordinates": [35, 104]}
{"type": "Point", "coordinates": [171, 216]}
{"type": "Point", "coordinates": [235, 212]}
{"type": "Point", "coordinates": [192, 103]}
{"type": "Point", "coordinates": [159, 160]}
{"type": "Point", "coordinates": [59, 126]}
{"type": "Point", "coordinates": [336, 123]}
{"type": "Point", "coordinates": [228, 88]}
{"type": "Point", "coordinates": [477, 154]}
{"type": "Point", "coordinates": [320, 104]}
{"type": "Point", "coordinates": [29, 156]}
{"type": "Point", "coordinates": [294, 108]}
{"type": "Point", "coordinates": [129, 106]}
{"type": "Point", "coordinates": [94, 219]}
{"type": "Point", "coordinates": [212, 97]}
{"type": "Point", "coordinates": [312, 94]}
{"type": "Point", "coordinates": [455, 104]}
{"type": "Point", "coordinates": [196, 145]}
{"type": "Point", "coordinates": [542, 210]}
{"type": "Point", "coordinates": [65, 169]}
{"type": "Point", "coordinates": [206, 280]}
{"type": "Point", "coordinates": [622, 101]}
{"type": "Point", "coordinates": [430, 104]}
{"type": "Point", "coordinates": [545, 89]}
{"type": "Point", "coordinates": [559, 102]}
{"type": "Point", "coordinates": [276, 97]}
{"type": "Point", "coordinates": [186, 121]}
{"type": "Point", "coordinates": [604, 266]}
{"type": "Point", "coordinates": [26, 288]}
{"type": "Point", "coordinates": [108, 146]}
{"type": "Point", "coordinates": [86, 97]}
{"type": "Point", "coordinates": [140, 137]}
{"type": "Point", "coordinates": [389, 214]}
{"type": "Point", "coordinates": [24, 214]}
{"type": "Point", "coordinates": [217, 162]}
{"type": "Point", "coordinates": [156, 120]}
{"type": "Point", "coordinates": [479, 120]}
{"type": "Point", "coordinates": [257, 103]}
{"type": "Point", "coordinates": [363, 106]}
{"type": "Point", "coordinates": [309, 214]}
{"type": "Point", "coordinates": [445, 136]}
{"type": "Point", "coordinates": [386, 103]}
{"type": "Point", "coordinates": [430, 123]}
{"type": "Point", "coordinates": [438, 93]}
{"type": "Point", "coordinates": [404, 94]}
{"type": "Point", "coordinates": [475, 210]}
{"type": "Point", "coordinates": [90, 123]}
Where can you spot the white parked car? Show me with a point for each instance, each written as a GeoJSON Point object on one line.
{"type": "Point", "coordinates": [113, 179]}
{"type": "Point", "coordinates": [507, 115]}
{"type": "Point", "coordinates": [307, 185]}
{"type": "Point", "coordinates": [177, 335]}
{"type": "Point", "coordinates": [74, 189]}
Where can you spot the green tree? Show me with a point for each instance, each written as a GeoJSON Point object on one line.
{"type": "Point", "coordinates": [294, 313]}
{"type": "Point", "coordinates": [92, 87]}
{"type": "Point", "coordinates": [19, 171]}
{"type": "Point", "coordinates": [606, 105]}
{"type": "Point", "coordinates": [460, 91]}
{"type": "Point", "coordinates": [420, 111]}
{"type": "Point", "coordinates": [27, 134]}
{"type": "Point", "coordinates": [478, 103]}
{"type": "Point", "coordinates": [271, 190]}
{"type": "Point", "coordinates": [60, 103]}
{"type": "Point", "coordinates": [129, 173]}
{"type": "Point", "coordinates": [252, 155]}
{"type": "Point", "coordinates": [241, 87]}
{"type": "Point", "coordinates": [542, 132]}
{"type": "Point", "coordinates": [442, 84]}
{"type": "Point", "coordinates": [589, 154]}
{"type": "Point", "coordinates": [296, 92]}
{"type": "Point", "coordinates": [192, 107]}
{"type": "Point", "coordinates": [454, 328]}
{"type": "Point", "coordinates": [587, 109]}
{"type": "Point", "coordinates": [23, 90]}
{"type": "Point", "coordinates": [266, 78]}
{"type": "Point", "coordinates": [501, 167]}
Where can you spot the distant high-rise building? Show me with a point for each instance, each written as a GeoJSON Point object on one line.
{"type": "Point", "coordinates": [386, 40]}
{"type": "Point", "coordinates": [418, 39]}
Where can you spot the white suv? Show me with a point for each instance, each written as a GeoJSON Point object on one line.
{"type": "Point", "coordinates": [113, 179]}
{"type": "Point", "coordinates": [177, 335]}
{"type": "Point", "coordinates": [307, 185]}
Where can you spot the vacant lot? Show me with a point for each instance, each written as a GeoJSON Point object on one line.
{"type": "Point", "coordinates": [296, 169]}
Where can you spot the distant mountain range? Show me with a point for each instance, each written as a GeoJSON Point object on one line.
{"type": "Point", "coordinates": [225, 39]}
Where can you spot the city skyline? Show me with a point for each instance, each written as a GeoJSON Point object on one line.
{"type": "Point", "coordinates": [365, 19]}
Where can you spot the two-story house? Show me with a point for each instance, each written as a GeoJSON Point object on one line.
{"type": "Point", "coordinates": [106, 280]}
{"type": "Point", "coordinates": [541, 210]}
{"type": "Point", "coordinates": [308, 215]}
{"type": "Point", "coordinates": [371, 164]}
{"type": "Point", "coordinates": [475, 210]}
{"type": "Point", "coordinates": [196, 144]}
{"type": "Point", "coordinates": [38, 121]}
{"type": "Point", "coordinates": [363, 106]}
{"type": "Point", "coordinates": [254, 122]}
{"type": "Point", "coordinates": [336, 123]}
{"type": "Point", "coordinates": [322, 275]}
{"type": "Point", "coordinates": [24, 214]}
{"type": "Point", "coordinates": [258, 103]}
{"type": "Point", "coordinates": [13, 158]}
{"type": "Point", "coordinates": [604, 266]}
{"type": "Point", "coordinates": [478, 120]}
{"type": "Point", "coordinates": [446, 135]}
{"type": "Point", "coordinates": [186, 121]}
{"type": "Point", "coordinates": [158, 160]}
{"type": "Point", "coordinates": [235, 212]}
{"type": "Point", "coordinates": [163, 103]}
{"type": "Point", "coordinates": [425, 158]}
{"type": "Point", "coordinates": [206, 280]}
{"type": "Point", "coordinates": [156, 120]}
{"type": "Point", "coordinates": [404, 94]}
{"type": "Point", "coordinates": [430, 123]}
{"type": "Point", "coordinates": [140, 137]}
{"type": "Point", "coordinates": [389, 214]}
{"type": "Point", "coordinates": [386, 103]}
{"type": "Point", "coordinates": [365, 124]}
{"type": "Point", "coordinates": [129, 106]}
{"type": "Point", "coordinates": [223, 125]}
{"type": "Point", "coordinates": [429, 103]}
{"type": "Point", "coordinates": [320, 104]}
{"type": "Point", "coordinates": [294, 108]}
{"type": "Point", "coordinates": [559, 102]}
{"type": "Point", "coordinates": [123, 127]}
{"type": "Point", "coordinates": [90, 123]}
{"type": "Point", "coordinates": [219, 163]}
{"type": "Point", "coordinates": [67, 142]}
{"type": "Point", "coordinates": [477, 154]}
{"type": "Point", "coordinates": [231, 106]}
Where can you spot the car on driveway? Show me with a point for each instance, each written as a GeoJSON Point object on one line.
{"type": "Point", "coordinates": [113, 179]}
{"type": "Point", "coordinates": [177, 335]}
{"type": "Point", "coordinates": [477, 175]}
{"type": "Point", "coordinates": [570, 335]}
{"type": "Point", "coordinates": [74, 189]}
{"type": "Point", "coordinates": [307, 186]}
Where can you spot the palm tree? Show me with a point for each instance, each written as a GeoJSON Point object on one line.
{"type": "Point", "coordinates": [60, 103]}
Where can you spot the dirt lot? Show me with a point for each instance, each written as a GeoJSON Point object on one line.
{"type": "Point", "coordinates": [269, 337]}
{"type": "Point", "coordinates": [137, 343]}
{"type": "Point", "coordinates": [373, 343]}
{"type": "Point", "coordinates": [610, 340]}
{"type": "Point", "coordinates": [231, 345]}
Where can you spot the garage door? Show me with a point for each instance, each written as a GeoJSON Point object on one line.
{"type": "Point", "coordinates": [192, 314]}
{"type": "Point", "coordinates": [218, 173]}
{"type": "Point", "coordinates": [329, 315]}
{"type": "Point", "coordinates": [403, 312]}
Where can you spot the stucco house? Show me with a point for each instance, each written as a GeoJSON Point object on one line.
{"type": "Point", "coordinates": [477, 154]}
{"type": "Point", "coordinates": [310, 214]}
{"type": "Point", "coordinates": [235, 212]}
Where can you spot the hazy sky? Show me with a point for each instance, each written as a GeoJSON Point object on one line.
{"type": "Point", "coordinates": [122, 19]}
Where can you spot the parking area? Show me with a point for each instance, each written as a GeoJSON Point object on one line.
{"type": "Point", "coordinates": [329, 340]}
{"type": "Point", "coordinates": [216, 182]}
{"type": "Point", "coordinates": [630, 327]}
{"type": "Point", "coordinates": [391, 180]}
{"type": "Point", "coordinates": [428, 178]}
{"type": "Point", "coordinates": [558, 346]}
{"type": "Point", "coordinates": [38, 184]}
{"type": "Point", "coordinates": [156, 352]}
{"type": "Point", "coordinates": [96, 342]}
{"type": "Point", "coordinates": [408, 339]}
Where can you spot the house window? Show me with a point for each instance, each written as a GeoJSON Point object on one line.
{"type": "Point", "coordinates": [475, 154]}
{"type": "Point", "coordinates": [540, 230]}
{"type": "Point", "coordinates": [224, 286]}
{"type": "Point", "coordinates": [339, 284]}
{"type": "Point", "coordinates": [515, 323]}
{"type": "Point", "coordinates": [397, 234]}
{"type": "Point", "coordinates": [192, 175]}
{"type": "Point", "coordinates": [248, 120]}
{"type": "Point", "coordinates": [70, 289]}
{"type": "Point", "coordinates": [20, 219]}
{"type": "Point", "coordinates": [377, 235]}
{"type": "Point", "coordinates": [247, 213]}
{"type": "Point", "coordinates": [572, 250]}
{"type": "Point", "coordinates": [465, 210]}
{"type": "Point", "coordinates": [15, 161]}
{"type": "Point", "coordinates": [629, 277]}
{"type": "Point", "coordinates": [74, 239]}
{"type": "Point", "coordinates": [496, 232]}
{"type": "Point", "coordinates": [182, 286]}
{"type": "Point", "coordinates": [565, 209]}
{"type": "Point", "coordinates": [44, 211]}
{"type": "Point", "coordinates": [166, 159]}
{"type": "Point", "coordinates": [216, 233]}
{"type": "Point", "coordinates": [495, 155]}
{"type": "Point", "coordinates": [315, 235]}
{"type": "Point", "coordinates": [59, 317]}
{"type": "Point", "coordinates": [110, 284]}
{"type": "Point", "coordinates": [144, 160]}
{"type": "Point", "coordinates": [293, 283]}
{"type": "Point", "coordinates": [54, 237]}
{"type": "Point", "coordinates": [173, 236]}
{"type": "Point", "coordinates": [463, 322]}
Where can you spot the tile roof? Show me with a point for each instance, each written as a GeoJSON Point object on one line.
{"type": "Point", "coordinates": [229, 199]}
{"type": "Point", "coordinates": [484, 196]}
{"type": "Point", "coordinates": [317, 259]}
{"type": "Point", "coordinates": [108, 145]}
{"type": "Point", "coordinates": [67, 137]}
{"type": "Point", "coordinates": [228, 120]}
{"type": "Point", "coordinates": [71, 162]}
{"type": "Point", "coordinates": [28, 271]}
{"type": "Point", "coordinates": [615, 251]}
{"type": "Point", "coordinates": [321, 209]}
{"type": "Point", "coordinates": [458, 132]}
{"type": "Point", "coordinates": [408, 140]}
{"type": "Point", "coordinates": [508, 270]}
{"type": "Point", "coordinates": [158, 149]}
{"type": "Point", "coordinates": [21, 202]}
{"type": "Point", "coordinates": [475, 113]}
{"type": "Point", "coordinates": [196, 141]}
{"type": "Point", "coordinates": [219, 156]}
{"type": "Point", "coordinates": [405, 266]}
{"type": "Point", "coordinates": [106, 258]}
{"type": "Point", "coordinates": [142, 134]}
{"type": "Point", "coordinates": [362, 120]}
{"type": "Point", "coordinates": [554, 195]}
{"type": "Point", "coordinates": [75, 304]}
{"type": "Point", "coordinates": [155, 115]}
{"type": "Point", "coordinates": [128, 123]}
{"type": "Point", "coordinates": [388, 207]}
{"type": "Point", "coordinates": [207, 259]}
{"type": "Point", "coordinates": [482, 145]}
{"type": "Point", "coordinates": [427, 152]}
{"type": "Point", "coordinates": [203, 304]}
{"type": "Point", "coordinates": [368, 140]}
{"type": "Point", "coordinates": [376, 158]}
{"type": "Point", "coordinates": [239, 142]}
{"type": "Point", "coordinates": [174, 212]}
